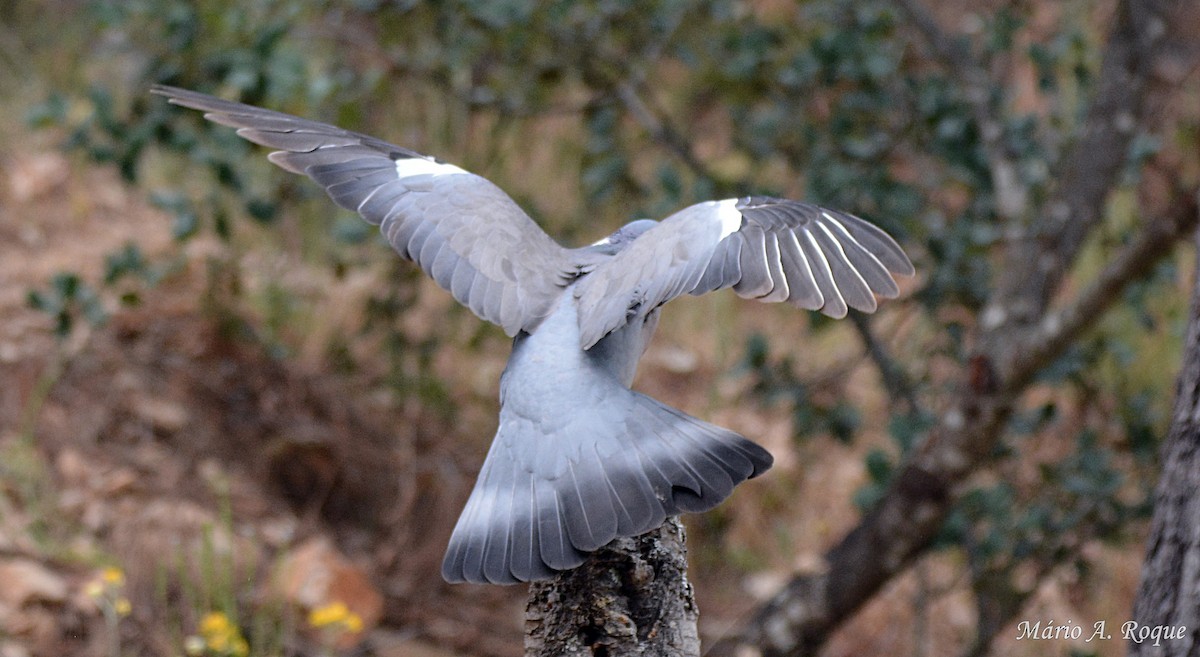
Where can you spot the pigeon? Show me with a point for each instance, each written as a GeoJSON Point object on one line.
{"type": "Point", "coordinates": [579, 458]}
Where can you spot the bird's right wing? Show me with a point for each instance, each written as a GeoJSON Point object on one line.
{"type": "Point", "coordinates": [765, 248]}
{"type": "Point", "coordinates": [465, 232]}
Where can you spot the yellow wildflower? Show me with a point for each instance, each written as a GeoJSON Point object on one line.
{"type": "Point", "coordinates": [333, 613]}
{"type": "Point", "coordinates": [113, 576]}
{"type": "Point", "coordinates": [221, 636]}
{"type": "Point", "coordinates": [214, 623]}
{"type": "Point", "coordinates": [122, 606]}
{"type": "Point", "coordinates": [337, 617]}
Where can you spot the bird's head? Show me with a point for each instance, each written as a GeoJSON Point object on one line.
{"type": "Point", "coordinates": [625, 235]}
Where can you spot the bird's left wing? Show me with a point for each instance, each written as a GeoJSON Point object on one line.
{"type": "Point", "coordinates": [765, 248]}
{"type": "Point", "coordinates": [465, 232]}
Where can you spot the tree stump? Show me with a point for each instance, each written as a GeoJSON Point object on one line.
{"type": "Point", "coordinates": [631, 597]}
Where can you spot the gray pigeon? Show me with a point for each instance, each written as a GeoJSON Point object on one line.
{"type": "Point", "coordinates": [579, 459]}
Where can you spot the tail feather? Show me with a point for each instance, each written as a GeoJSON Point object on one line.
{"type": "Point", "coordinates": [539, 507]}
{"type": "Point", "coordinates": [588, 504]}
{"type": "Point", "coordinates": [472, 553]}
{"type": "Point", "coordinates": [713, 482]}
{"type": "Point", "coordinates": [632, 491]}
{"type": "Point", "coordinates": [496, 547]}
{"type": "Point", "coordinates": [525, 552]}
{"type": "Point", "coordinates": [739, 457]}
{"type": "Point", "coordinates": [557, 551]}
{"type": "Point", "coordinates": [660, 460]}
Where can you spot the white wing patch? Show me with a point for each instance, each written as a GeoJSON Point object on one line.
{"type": "Point", "coordinates": [729, 216]}
{"type": "Point", "coordinates": [419, 166]}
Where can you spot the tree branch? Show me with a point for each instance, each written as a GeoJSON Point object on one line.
{"type": "Point", "coordinates": [1060, 328]}
{"type": "Point", "coordinates": [1012, 196]}
{"type": "Point", "coordinates": [1091, 166]}
{"type": "Point", "coordinates": [899, 387]}
{"type": "Point", "coordinates": [661, 131]}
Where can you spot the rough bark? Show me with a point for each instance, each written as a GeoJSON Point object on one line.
{"type": "Point", "coordinates": [1169, 595]}
{"type": "Point", "coordinates": [631, 597]}
{"type": "Point", "coordinates": [1020, 336]}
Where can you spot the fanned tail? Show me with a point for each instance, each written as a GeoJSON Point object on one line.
{"type": "Point", "coordinates": [543, 500]}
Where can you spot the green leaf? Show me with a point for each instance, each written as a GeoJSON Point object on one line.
{"type": "Point", "coordinates": [879, 466]}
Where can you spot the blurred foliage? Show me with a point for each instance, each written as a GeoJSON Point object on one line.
{"type": "Point", "coordinates": [776, 381]}
{"type": "Point", "coordinates": [66, 300]}
{"type": "Point", "coordinates": [664, 103]}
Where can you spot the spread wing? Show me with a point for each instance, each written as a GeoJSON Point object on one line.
{"type": "Point", "coordinates": [764, 248]}
{"type": "Point", "coordinates": [465, 232]}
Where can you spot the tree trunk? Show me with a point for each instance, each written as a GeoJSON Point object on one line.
{"type": "Point", "coordinates": [1167, 609]}
{"type": "Point", "coordinates": [631, 597]}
